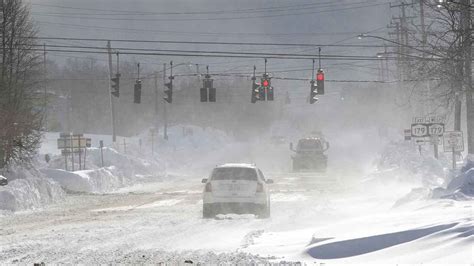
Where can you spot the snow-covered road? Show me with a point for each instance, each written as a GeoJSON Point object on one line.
{"type": "Point", "coordinates": [161, 222]}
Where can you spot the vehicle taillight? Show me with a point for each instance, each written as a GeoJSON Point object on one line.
{"type": "Point", "coordinates": [259, 187]}
{"type": "Point", "coordinates": [208, 187]}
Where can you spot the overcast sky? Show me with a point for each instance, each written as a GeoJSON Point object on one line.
{"type": "Point", "coordinates": [298, 21]}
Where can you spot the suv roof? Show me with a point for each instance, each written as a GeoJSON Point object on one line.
{"type": "Point", "coordinates": [240, 165]}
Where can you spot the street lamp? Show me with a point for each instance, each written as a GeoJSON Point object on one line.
{"type": "Point", "coordinates": [362, 36]}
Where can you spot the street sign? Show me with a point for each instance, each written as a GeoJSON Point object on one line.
{"type": "Point", "coordinates": [419, 140]}
{"type": "Point", "coordinates": [436, 129]}
{"type": "Point", "coordinates": [429, 119]}
{"type": "Point", "coordinates": [419, 130]}
{"type": "Point", "coordinates": [407, 133]}
{"type": "Point", "coordinates": [67, 152]}
{"type": "Point", "coordinates": [435, 119]}
{"type": "Point", "coordinates": [76, 142]}
{"type": "Point", "coordinates": [453, 140]}
{"type": "Point", "coordinates": [427, 129]}
{"type": "Point", "coordinates": [435, 140]}
{"type": "Point", "coordinates": [418, 120]}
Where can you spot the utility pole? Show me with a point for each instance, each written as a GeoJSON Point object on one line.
{"type": "Point", "coordinates": [112, 107]}
{"type": "Point", "coordinates": [156, 100]}
{"type": "Point", "coordinates": [396, 27]}
{"type": "Point", "coordinates": [424, 42]}
{"type": "Point", "coordinates": [466, 21]}
{"type": "Point", "coordinates": [424, 38]}
{"type": "Point", "coordinates": [165, 115]}
{"type": "Point", "coordinates": [152, 134]}
{"type": "Point", "coordinates": [45, 72]}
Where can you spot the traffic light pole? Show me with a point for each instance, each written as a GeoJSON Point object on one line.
{"type": "Point", "coordinates": [112, 107]}
{"type": "Point", "coordinates": [156, 101]}
{"type": "Point", "coordinates": [165, 115]}
{"type": "Point", "coordinates": [466, 21]}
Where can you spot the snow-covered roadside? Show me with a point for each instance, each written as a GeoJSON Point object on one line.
{"type": "Point", "coordinates": [28, 189]}
{"type": "Point", "coordinates": [119, 170]}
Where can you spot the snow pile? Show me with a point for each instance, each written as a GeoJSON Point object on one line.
{"type": "Point", "coordinates": [28, 189]}
{"type": "Point", "coordinates": [99, 180]}
{"type": "Point", "coordinates": [462, 186]}
{"type": "Point", "coordinates": [119, 170]}
{"type": "Point", "coordinates": [401, 162]}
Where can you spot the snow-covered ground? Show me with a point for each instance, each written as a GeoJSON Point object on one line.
{"type": "Point", "coordinates": [161, 222]}
{"type": "Point", "coordinates": [145, 209]}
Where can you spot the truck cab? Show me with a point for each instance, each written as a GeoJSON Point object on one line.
{"type": "Point", "coordinates": [309, 154]}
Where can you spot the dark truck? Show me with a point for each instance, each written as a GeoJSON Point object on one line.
{"type": "Point", "coordinates": [310, 155]}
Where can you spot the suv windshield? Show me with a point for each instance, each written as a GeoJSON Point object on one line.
{"type": "Point", "coordinates": [234, 173]}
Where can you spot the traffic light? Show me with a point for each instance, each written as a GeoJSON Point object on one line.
{"type": "Point", "coordinates": [270, 93]}
{"type": "Point", "coordinates": [255, 91]}
{"type": "Point", "coordinates": [313, 93]}
{"type": "Point", "coordinates": [137, 92]}
{"type": "Point", "coordinates": [116, 85]}
{"type": "Point", "coordinates": [212, 94]}
{"type": "Point", "coordinates": [169, 91]}
{"type": "Point", "coordinates": [267, 88]}
{"type": "Point", "coordinates": [203, 94]}
{"type": "Point", "coordinates": [208, 90]}
{"type": "Point", "coordinates": [320, 81]}
{"type": "Point", "coordinates": [261, 93]}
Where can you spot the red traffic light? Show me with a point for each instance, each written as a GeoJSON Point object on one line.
{"type": "Point", "coordinates": [320, 75]}
{"type": "Point", "coordinates": [265, 83]}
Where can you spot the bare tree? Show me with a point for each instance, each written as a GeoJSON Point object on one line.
{"type": "Point", "coordinates": [21, 114]}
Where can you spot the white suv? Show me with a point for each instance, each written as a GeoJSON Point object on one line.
{"type": "Point", "coordinates": [236, 188]}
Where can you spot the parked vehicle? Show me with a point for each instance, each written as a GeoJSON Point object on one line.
{"type": "Point", "coordinates": [236, 188]}
{"type": "Point", "coordinates": [3, 181]}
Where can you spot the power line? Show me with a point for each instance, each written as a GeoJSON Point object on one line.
{"type": "Point", "coordinates": [261, 54]}
{"type": "Point", "coordinates": [215, 43]}
{"type": "Point", "coordinates": [234, 11]}
{"type": "Point", "coordinates": [268, 56]}
{"type": "Point", "coordinates": [215, 19]}
{"type": "Point", "coordinates": [205, 33]}
{"type": "Point", "coordinates": [176, 13]}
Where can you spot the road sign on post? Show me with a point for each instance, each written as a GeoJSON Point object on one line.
{"type": "Point", "coordinates": [71, 144]}
{"type": "Point", "coordinates": [419, 130]}
{"type": "Point", "coordinates": [436, 129]}
{"type": "Point", "coordinates": [407, 133]}
{"type": "Point", "coordinates": [428, 129]}
{"type": "Point", "coordinates": [453, 140]}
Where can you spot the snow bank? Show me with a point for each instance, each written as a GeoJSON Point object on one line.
{"type": "Point", "coordinates": [97, 181]}
{"type": "Point", "coordinates": [462, 186]}
{"type": "Point", "coordinates": [401, 162]}
{"type": "Point", "coordinates": [119, 170]}
{"type": "Point", "coordinates": [189, 149]}
{"type": "Point", "coordinates": [28, 189]}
